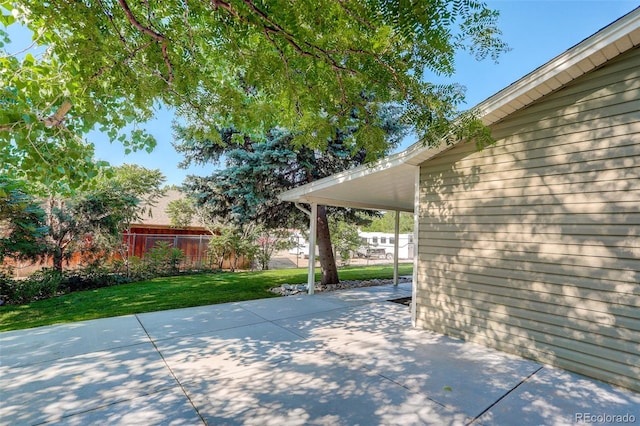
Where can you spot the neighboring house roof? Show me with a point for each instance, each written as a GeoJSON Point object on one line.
{"type": "Point", "coordinates": [389, 184]}
{"type": "Point", "coordinates": [159, 217]}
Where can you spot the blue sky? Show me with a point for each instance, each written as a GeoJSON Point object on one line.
{"type": "Point", "coordinates": [536, 30]}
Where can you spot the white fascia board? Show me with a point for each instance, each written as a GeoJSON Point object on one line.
{"type": "Point", "coordinates": [359, 172]}
{"type": "Point", "coordinates": [563, 62]}
{"type": "Point", "coordinates": [413, 156]}
{"type": "Point", "coordinates": [354, 204]}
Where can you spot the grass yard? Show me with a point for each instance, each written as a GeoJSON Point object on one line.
{"type": "Point", "coordinates": [161, 294]}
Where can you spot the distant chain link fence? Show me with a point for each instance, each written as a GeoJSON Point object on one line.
{"type": "Point", "coordinates": [194, 247]}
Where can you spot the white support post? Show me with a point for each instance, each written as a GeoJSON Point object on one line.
{"type": "Point", "coordinates": [416, 234]}
{"type": "Point", "coordinates": [396, 246]}
{"type": "Point", "coordinates": [313, 220]}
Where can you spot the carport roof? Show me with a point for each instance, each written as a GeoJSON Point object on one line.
{"type": "Point", "coordinates": [390, 183]}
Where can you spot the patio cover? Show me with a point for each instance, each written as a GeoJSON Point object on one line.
{"type": "Point", "coordinates": [390, 184]}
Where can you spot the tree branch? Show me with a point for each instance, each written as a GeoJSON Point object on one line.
{"type": "Point", "coordinates": [54, 120]}
{"type": "Point", "coordinates": [58, 117]}
{"type": "Point", "coordinates": [160, 38]}
{"type": "Point", "coordinates": [269, 26]}
{"type": "Point", "coordinates": [132, 19]}
{"type": "Point", "coordinates": [355, 16]}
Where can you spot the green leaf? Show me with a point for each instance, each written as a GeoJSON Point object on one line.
{"type": "Point", "coordinates": [7, 20]}
{"type": "Point", "coordinates": [28, 60]}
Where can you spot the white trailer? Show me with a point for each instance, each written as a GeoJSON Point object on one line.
{"type": "Point", "coordinates": [374, 245]}
{"type": "Point", "coordinates": [380, 244]}
{"type": "Point", "coordinates": [299, 245]}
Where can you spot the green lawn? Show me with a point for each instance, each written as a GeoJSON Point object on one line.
{"type": "Point", "coordinates": [168, 293]}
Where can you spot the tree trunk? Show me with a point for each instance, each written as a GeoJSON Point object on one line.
{"type": "Point", "coordinates": [57, 259]}
{"type": "Point", "coordinates": [325, 250]}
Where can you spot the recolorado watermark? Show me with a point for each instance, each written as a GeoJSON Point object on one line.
{"type": "Point", "coordinates": [591, 418]}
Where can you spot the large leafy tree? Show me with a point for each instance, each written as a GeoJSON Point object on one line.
{"type": "Point", "coordinates": [133, 182]}
{"type": "Point", "coordinates": [256, 64]}
{"type": "Point", "coordinates": [92, 220]}
{"type": "Point", "coordinates": [145, 185]}
{"type": "Point", "coordinates": [386, 223]}
{"type": "Point", "coordinates": [86, 223]}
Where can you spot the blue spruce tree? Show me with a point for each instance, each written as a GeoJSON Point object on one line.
{"type": "Point", "coordinates": [256, 170]}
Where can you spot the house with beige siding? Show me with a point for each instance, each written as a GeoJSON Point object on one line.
{"type": "Point", "coordinates": [531, 245]}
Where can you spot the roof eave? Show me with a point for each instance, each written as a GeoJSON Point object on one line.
{"type": "Point", "coordinates": [618, 37]}
{"type": "Point", "coordinates": [615, 39]}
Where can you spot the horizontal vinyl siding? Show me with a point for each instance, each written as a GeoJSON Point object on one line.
{"type": "Point", "coordinates": [532, 245]}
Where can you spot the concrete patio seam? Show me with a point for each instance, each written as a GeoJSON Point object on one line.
{"type": "Point", "coordinates": [103, 406]}
{"type": "Point", "coordinates": [163, 339]}
{"type": "Point", "coordinates": [505, 395]}
{"type": "Point", "coordinates": [182, 389]}
{"type": "Point", "coordinates": [300, 315]}
{"type": "Point", "coordinates": [406, 387]}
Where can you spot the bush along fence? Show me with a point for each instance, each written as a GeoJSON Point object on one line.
{"type": "Point", "coordinates": [160, 255]}
{"type": "Point", "coordinates": [161, 260]}
{"type": "Point", "coordinates": [196, 252]}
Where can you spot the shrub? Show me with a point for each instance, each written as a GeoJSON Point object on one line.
{"type": "Point", "coordinates": [6, 286]}
{"type": "Point", "coordinates": [92, 277]}
{"type": "Point", "coordinates": [164, 259]}
{"type": "Point", "coordinates": [40, 285]}
{"type": "Point", "coordinates": [50, 282]}
{"type": "Point", "coordinates": [138, 269]}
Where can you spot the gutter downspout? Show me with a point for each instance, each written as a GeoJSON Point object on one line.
{"type": "Point", "coordinates": [313, 220]}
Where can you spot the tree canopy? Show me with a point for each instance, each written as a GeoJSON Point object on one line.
{"type": "Point", "coordinates": [132, 180]}
{"type": "Point", "coordinates": [256, 64]}
{"type": "Point", "coordinates": [257, 169]}
{"type": "Point", "coordinates": [386, 223]}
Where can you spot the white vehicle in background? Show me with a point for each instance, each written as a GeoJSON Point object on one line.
{"type": "Point", "coordinates": [374, 245]}
{"type": "Point", "coordinates": [382, 245]}
{"type": "Point", "coordinates": [299, 245]}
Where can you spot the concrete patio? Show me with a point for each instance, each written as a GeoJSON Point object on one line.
{"type": "Point", "coordinates": [341, 358]}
